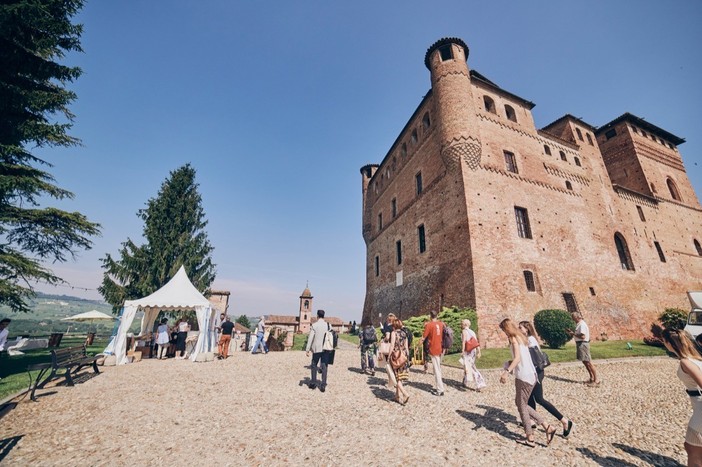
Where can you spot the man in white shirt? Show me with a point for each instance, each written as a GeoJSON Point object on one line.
{"type": "Point", "coordinates": [3, 333]}
{"type": "Point", "coordinates": [582, 345]}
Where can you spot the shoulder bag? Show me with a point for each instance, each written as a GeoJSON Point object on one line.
{"type": "Point", "coordinates": [471, 344]}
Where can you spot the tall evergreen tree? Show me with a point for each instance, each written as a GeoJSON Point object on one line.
{"type": "Point", "coordinates": [174, 230]}
{"type": "Point", "coordinates": [33, 35]}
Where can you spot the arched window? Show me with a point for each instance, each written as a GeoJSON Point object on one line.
{"type": "Point", "coordinates": [414, 137]}
{"type": "Point", "coordinates": [698, 247]}
{"type": "Point", "coordinates": [489, 104]}
{"type": "Point", "coordinates": [509, 111]}
{"type": "Point", "coordinates": [673, 189]}
{"type": "Point", "coordinates": [577, 162]}
{"type": "Point", "coordinates": [569, 185]}
{"type": "Point", "coordinates": [653, 188]}
{"type": "Point", "coordinates": [589, 139]}
{"type": "Point", "coordinates": [547, 149]}
{"type": "Point", "coordinates": [404, 150]}
{"type": "Point", "coordinates": [563, 156]}
{"type": "Point", "coordinates": [623, 252]}
{"type": "Point", "coordinates": [307, 304]}
{"type": "Point", "coordinates": [426, 121]}
{"type": "Point", "coordinates": [580, 134]}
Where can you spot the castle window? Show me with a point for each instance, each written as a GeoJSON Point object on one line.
{"type": "Point", "coordinates": [592, 291]}
{"type": "Point", "coordinates": [404, 150]}
{"type": "Point", "coordinates": [426, 122]}
{"type": "Point", "coordinates": [446, 52]}
{"type": "Point", "coordinates": [570, 303]}
{"type": "Point", "coordinates": [307, 305]}
{"type": "Point", "coordinates": [511, 162]}
{"type": "Point", "coordinates": [589, 139]}
{"type": "Point", "coordinates": [577, 162]}
{"type": "Point", "coordinates": [522, 217]}
{"type": "Point", "coordinates": [422, 239]}
{"type": "Point", "coordinates": [380, 221]}
{"type": "Point", "coordinates": [489, 104]}
{"type": "Point", "coordinates": [612, 133]}
{"type": "Point", "coordinates": [653, 188]}
{"type": "Point", "coordinates": [529, 281]}
{"type": "Point", "coordinates": [673, 189]}
{"type": "Point", "coordinates": [563, 156]}
{"type": "Point", "coordinates": [377, 266]}
{"type": "Point", "coordinates": [634, 129]}
{"type": "Point", "coordinates": [509, 112]}
{"type": "Point", "coordinates": [394, 207]}
{"type": "Point", "coordinates": [698, 247]}
{"type": "Point", "coordinates": [547, 149]}
{"type": "Point", "coordinates": [580, 134]}
{"type": "Point", "coordinates": [398, 251]}
{"type": "Point", "coordinates": [661, 256]}
{"type": "Point", "coordinates": [623, 252]}
{"type": "Point", "coordinates": [644, 134]}
{"type": "Point", "coordinates": [670, 146]}
{"type": "Point", "coordinates": [660, 140]}
{"type": "Point", "coordinates": [569, 185]}
{"type": "Point", "coordinates": [414, 137]}
{"type": "Point", "coordinates": [418, 182]}
{"type": "Point", "coordinates": [641, 214]}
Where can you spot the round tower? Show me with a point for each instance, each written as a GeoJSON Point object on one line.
{"type": "Point", "coordinates": [305, 310]}
{"type": "Point", "coordinates": [447, 59]}
{"type": "Point", "coordinates": [367, 172]}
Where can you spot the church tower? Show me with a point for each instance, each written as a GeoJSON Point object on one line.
{"type": "Point", "coordinates": [305, 310]}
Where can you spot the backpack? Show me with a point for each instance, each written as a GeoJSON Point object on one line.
{"type": "Point", "coordinates": [330, 339]}
{"type": "Point", "coordinates": [369, 336]}
{"type": "Point", "coordinates": [409, 335]}
{"type": "Point", "coordinates": [447, 338]}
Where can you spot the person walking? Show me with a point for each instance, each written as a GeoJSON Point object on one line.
{"type": "Point", "coordinates": [524, 381]}
{"type": "Point", "coordinates": [260, 333]}
{"type": "Point", "coordinates": [537, 395]}
{"type": "Point", "coordinates": [183, 329]}
{"type": "Point", "coordinates": [4, 332]}
{"type": "Point", "coordinates": [387, 330]}
{"type": "Point", "coordinates": [433, 332]}
{"type": "Point", "coordinates": [582, 346]}
{"type": "Point", "coordinates": [367, 339]}
{"type": "Point", "coordinates": [689, 372]}
{"type": "Point", "coordinates": [162, 339]}
{"type": "Point", "coordinates": [470, 372]}
{"type": "Point", "coordinates": [320, 358]}
{"type": "Point", "coordinates": [226, 338]}
{"type": "Point", "coordinates": [398, 362]}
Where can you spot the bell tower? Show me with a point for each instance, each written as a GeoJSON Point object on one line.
{"type": "Point", "coordinates": [305, 310]}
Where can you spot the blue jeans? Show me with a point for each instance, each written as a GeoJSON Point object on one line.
{"type": "Point", "coordinates": [259, 342]}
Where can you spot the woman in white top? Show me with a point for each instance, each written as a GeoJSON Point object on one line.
{"type": "Point", "coordinates": [690, 373]}
{"type": "Point", "coordinates": [537, 395]}
{"type": "Point", "coordinates": [525, 379]}
{"type": "Point", "coordinates": [470, 372]}
{"type": "Point", "coordinates": [162, 338]}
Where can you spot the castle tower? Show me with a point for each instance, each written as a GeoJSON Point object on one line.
{"type": "Point", "coordinates": [305, 310]}
{"type": "Point", "coordinates": [367, 172]}
{"type": "Point", "coordinates": [447, 59]}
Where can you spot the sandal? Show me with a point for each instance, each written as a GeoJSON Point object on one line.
{"type": "Point", "coordinates": [527, 442]}
{"type": "Point", "coordinates": [550, 433]}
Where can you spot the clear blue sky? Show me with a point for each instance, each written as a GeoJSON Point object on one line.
{"type": "Point", "coordinates": [278, 105]}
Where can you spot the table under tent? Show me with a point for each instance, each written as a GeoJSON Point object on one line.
{"type": "Point", "coordinates": [179, 294]}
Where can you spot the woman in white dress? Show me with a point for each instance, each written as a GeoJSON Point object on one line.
{"type": "Point", "coordinates": [162, 338]}
{"type": "Point", "coordinates": [679, 342]}
{"type": "Point", "coordinates": [525, 380]}
{"type": "Point", "coordinates": [470, 372]}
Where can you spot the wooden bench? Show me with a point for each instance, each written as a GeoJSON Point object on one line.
{"type": "Point", "coordinates": [70, 359]}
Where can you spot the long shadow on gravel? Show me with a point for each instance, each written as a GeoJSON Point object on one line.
{"type": "Point", "coordinates": [494, 420]}
{"type": "Point", "coordinates": [7, 444]}
{"type": "Point", "coordinates": [647, 456]}
{"type": "Point", "coordinates": [383, 393]}
{"type": "Point", "coordinates": [608, 461]}
{"type": "Point", "coordinates": [355, 370]}
{"type": "Point", "coordinates": [564, 380]}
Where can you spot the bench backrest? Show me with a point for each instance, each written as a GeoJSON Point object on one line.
{"type": "Point", "coordinates": [62, 357]}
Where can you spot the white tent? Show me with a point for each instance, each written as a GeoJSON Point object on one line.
{"type": "Point", "coordinates": [178, 294]}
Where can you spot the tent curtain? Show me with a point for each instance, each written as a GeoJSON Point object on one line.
{"type": "Point", "coordinates": [147, 322]}
{"type": "Point", "coordinates": [205, 340]}
{"type": "Point", "coordinates": [120, 341]}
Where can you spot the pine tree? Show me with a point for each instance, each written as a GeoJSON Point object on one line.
{"type": "Point", "coordinates": [174, 224]}
{"type": "Point", "coordinates": [244, 321]}
{"type": "Point", "coordinates": [33, 35]}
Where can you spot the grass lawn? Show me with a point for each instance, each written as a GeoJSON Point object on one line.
{"type": "Point", "coordinates": [13, 369]}
{"type": "Point", "coordinates": [495, 358]}
{"type": "Point", "coordinates": [349, 338]}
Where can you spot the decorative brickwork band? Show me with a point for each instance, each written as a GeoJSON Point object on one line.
{"type": "Point", "coordinates": [468, 151]}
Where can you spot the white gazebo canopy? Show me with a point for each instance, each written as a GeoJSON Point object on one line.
{"type": "Point", "coordinates": [178, 294]}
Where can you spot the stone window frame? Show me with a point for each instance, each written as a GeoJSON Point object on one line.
{"type": "Point", "coordinates": [422, 238]}
{"type": "Point", "coordinates": [522, 219]}
{"type": "Point", "coordinates": [659, 250]}
{"type": "Point", "coordinates": [489, 104]}
{"type": "Point", "coordinates": [673, 188]}
{"type": "Point", "coordinates": [623, 252]}
{"type": "Point", "coordinates": [510, 162]}
{"type": "Point", "coordinates": [510, 113]}
{"type": "Point", "coordinates": [529, 280]}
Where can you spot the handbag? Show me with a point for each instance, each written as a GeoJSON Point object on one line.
{"type": "Point", "coordinates": [539, 359]}
{"type": "Point", "coordinates": [471, 344]}
{"type": "Point", "coordinates": [384, 348]}
{"type": "Point", "coordinates": [398, 359]}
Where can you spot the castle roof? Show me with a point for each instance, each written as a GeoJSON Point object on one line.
{"type": "Point", "coordinates": [280, 319]}
{"type": "Point", "coordinates": [643, 124]}
{"type": "Point", "coordinates": [241, 328]}
{"type": "Point", "coordinates": [333, 320]}
{"type": "Point", "coordinates": [306, 293]}
{"type": "Point", "coordinates": [444, 41]}
{"type": "Point", "coordinates": [475, 76]}
{"type": "Point", "coordinates": [570, 117]}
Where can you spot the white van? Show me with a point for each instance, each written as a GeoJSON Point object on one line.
{"type": "Point", "coordinates": [694, 319]}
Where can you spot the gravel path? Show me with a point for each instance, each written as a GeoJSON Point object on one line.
{"type": "Point", "coordinates": [255, 409]}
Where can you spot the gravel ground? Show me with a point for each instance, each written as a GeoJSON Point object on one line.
{"type": "Point", "coordinates": [255, 409]}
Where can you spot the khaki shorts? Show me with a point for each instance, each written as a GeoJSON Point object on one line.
{"type": "Point", "coordinates": [693, 437]}
{"type": "Point", "coordinates": [582, 351]}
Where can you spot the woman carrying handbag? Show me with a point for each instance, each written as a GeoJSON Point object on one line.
{"type": "Point", "coordinates": [384, 351]}
{"type": "Point", "coordinates": [471, 352]}
{"type": "Point", "coordinates": [398, 362]}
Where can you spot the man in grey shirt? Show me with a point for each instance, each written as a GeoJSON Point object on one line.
{"type": "Point", "coordinates": [260, 332]}
{"type": "Point", "coordinates": [320, 358]}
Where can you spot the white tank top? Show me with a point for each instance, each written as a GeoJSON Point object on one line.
{"type": "Point", "coordinates": [525, 370]}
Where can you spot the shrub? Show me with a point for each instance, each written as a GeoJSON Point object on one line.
{"type": "Point", "coordinates": [452, 317]}
{"type": "Point", "coordinates": [673, 318]}
{"type": "Point", "coordinates": [551, 326]}
{"type": "Point", "coordinates": [654, 341]}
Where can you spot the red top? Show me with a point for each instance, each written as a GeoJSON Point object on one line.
{"type": "Point", "coordinates": [434, 330]}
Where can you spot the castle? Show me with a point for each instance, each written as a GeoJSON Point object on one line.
{"type": "Point", "coordinates": [473, 206]}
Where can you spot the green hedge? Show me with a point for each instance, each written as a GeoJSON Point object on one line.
{"type": "Point", "coordinates": [551, 326]}
{"type": "Point", "coordinates": [452, 317]}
